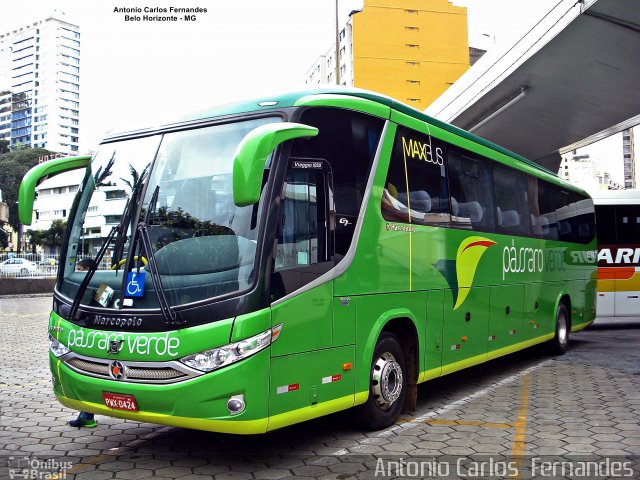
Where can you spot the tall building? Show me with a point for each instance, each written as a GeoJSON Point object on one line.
{"type": "Point", "coordinates": [629, 159]}
{"type": "Point", "coordinates": [40, 85]}
{"type": "Point", "coordinates": [582, 170]}
{"type": "Point", "coordinates": [411, 50]}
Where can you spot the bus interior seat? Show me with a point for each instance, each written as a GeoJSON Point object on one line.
{"type": "Point", "coordinates": [584, 231]}
{"type": "Point", "coordinates": [536, 228]}
{"type": "Point", "coordinates": [544, 225]}
{"type": "Point", "coordinates": [510, 218]}
{"type": "Point", "coordinates": [199, 255]}
{"type": "Point", "coordinates": [471, 210]}
{"type": "Point", "coordinates": [455, 208]}
{"type": "Point", "coordinates": [564, 228]}
{"type": "Point", "coordinates": [419, 199]}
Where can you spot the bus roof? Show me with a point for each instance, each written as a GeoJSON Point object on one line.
{"type": "Point", "coordinates": [289, 99]}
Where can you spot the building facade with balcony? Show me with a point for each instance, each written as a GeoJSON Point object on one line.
{"type": "Point", "coordinates": [40, 85]}
{"type": "Point", "coordinates": [55, 197]}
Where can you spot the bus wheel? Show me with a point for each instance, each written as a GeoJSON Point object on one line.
{"type": "Point", "coordinates": [560, 342]}
{"type": "Point", "coordinates": [387, 388]}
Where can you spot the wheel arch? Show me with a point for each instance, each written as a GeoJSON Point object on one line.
{"type": "Point", "coordinates": [402, 323]}
{"type": "Point", "coordinates": [564, 298]}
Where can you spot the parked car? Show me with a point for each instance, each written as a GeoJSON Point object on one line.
{"type": "Point", "coordinates": [17, 266]}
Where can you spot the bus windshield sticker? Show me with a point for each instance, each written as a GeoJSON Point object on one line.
{"type": "Point", "coordinates": [135, 284]}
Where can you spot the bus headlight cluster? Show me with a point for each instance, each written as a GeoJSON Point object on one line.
{"type": "Point", "coordinates": [222, 356]}
{"type": "Point", "coordinates": [56, 347]}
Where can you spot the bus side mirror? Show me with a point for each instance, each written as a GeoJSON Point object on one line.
{"type": "Point", "coordinates": [38, 174]}
{"type": "Point", "coordinates": [252, 153]}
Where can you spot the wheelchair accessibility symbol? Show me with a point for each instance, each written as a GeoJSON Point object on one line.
{"type": "Point", "coordinates": [135, 284]}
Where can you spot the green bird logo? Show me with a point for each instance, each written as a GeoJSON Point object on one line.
{"type": "Point", "coordinates": [460, 273]}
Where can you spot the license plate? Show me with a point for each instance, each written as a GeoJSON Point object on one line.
{"type": "Point", "coordinates": [120, 401]}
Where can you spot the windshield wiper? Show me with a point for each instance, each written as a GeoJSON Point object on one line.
{"type": "Point", "coordinates": [169, 315]}
{"type": "Point", "coordinates": [140, 232]}
{"type": "Point", "coordinates": [151, 209]}
{"type": "Point", "coordinates": [92, 269]}
{"type": "Point", "coordinates": [124, 222]}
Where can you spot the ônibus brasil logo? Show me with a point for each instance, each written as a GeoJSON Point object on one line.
{"type": "Point", "coordinates": [460, 273]}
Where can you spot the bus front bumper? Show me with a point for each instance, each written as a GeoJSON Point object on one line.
{"type": "Point", "coordinates": [198, 403]}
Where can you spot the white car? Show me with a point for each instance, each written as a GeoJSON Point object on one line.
{"type": "Point", "coordinates": [17, 266]}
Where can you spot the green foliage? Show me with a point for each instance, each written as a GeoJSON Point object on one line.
{"type": "Point", "coordinates": [55, 234]}
{"type": "Point", "coordinates": [13, 166]}
{"type": "Point", "coordinates": [48, 238]}
{"type": "Point", "coordinates": [4, 146]}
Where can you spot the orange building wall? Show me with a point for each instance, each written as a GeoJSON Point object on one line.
{"type": "Point", "coordinates": [411, 50]}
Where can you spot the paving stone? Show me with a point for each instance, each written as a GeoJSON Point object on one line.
{"type": "Point", "coordinates": [116, 466]}
{"type": "Point", "coordinates": [134, 474]}
{"type": "Point", "coordinates": [272, 473]}
{"type": "Point", "coordinates": [233, 476]}
{"type": "Point", "coordinates": [210, 469]}
{"type": "Point", "coordinates": [310, 471]}
{"type": "Point", "coordinates": [94, 475]}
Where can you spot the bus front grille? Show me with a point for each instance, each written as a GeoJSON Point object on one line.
{"type": "Point", "coordinates": [135, 372]}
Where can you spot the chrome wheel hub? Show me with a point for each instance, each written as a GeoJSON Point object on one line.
{"type": "Point", "coordinates": [386, 380]}
{"type": "Point", "coordinates": [562, 329]}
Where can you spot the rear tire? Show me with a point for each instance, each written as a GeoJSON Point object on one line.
{"type": "Point", "coordinates": [387, 385]}
{"type": "Point", "coordinates": [24, 272]}
{"type": "Point", "coordinates": [560, 342]}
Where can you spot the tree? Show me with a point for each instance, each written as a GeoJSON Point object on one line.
{"type": "Point", "coordinates": [54, 236]}
{"type": "Point", "coordinates": [13, 167]}
{"type": "Point", "coordinates": [51, 237]}
{"type": "Point", "coordinates": [4, 146]}
{"type": "Point", "coordinates": [35, 237]}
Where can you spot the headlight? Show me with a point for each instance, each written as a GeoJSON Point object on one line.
{"type": "Point", "coordinates": [56, 347]}
{"type": "Point", "coordinates": [222, 356]}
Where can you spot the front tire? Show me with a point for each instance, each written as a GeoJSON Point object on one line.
{"type": "Point", "coordinates": [387, 384]}
{"type": "Point", "coordinates": [560, 342]}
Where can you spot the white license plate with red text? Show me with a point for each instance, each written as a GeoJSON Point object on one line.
{"type": "Point", "coordinates": [120, 401]}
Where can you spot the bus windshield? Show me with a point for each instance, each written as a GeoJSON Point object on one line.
{"type": "Point", "coordinates": [203, 245]}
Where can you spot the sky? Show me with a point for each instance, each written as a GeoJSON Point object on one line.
{"type": "Point", "coordinates": [136, 73]}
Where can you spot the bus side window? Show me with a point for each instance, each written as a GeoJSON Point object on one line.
{"type": "Point", "coordinates": [302, 235]}
{"type": "Point", "coordinates": [470, 185]}
{"type": "Point", "coordinates": [347, 142]}
{"type": "Point", "coordinates": [546, 206]}
{"type": "Point", "coordinates": [416, 187]}
{"type": "Point", "coordinates": [304, 247]}
{"type": "Point", "coordinates": [512, 212]}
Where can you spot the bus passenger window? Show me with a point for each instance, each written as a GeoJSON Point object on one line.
{"type": "Point", "coordinates": [512, 212]}
{"type": "Point", "coordinates": [543, 206]}
{"type": "Point", "coordinates": [416, 187]}
{"type": "Point", "coordinates": [471, 186]}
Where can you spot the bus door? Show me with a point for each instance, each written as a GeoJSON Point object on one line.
{"type": "Point", "coordinates": [302, 358]}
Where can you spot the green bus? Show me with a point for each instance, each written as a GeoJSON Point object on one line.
{"type": "Point", "coordinates": [285, 258]}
